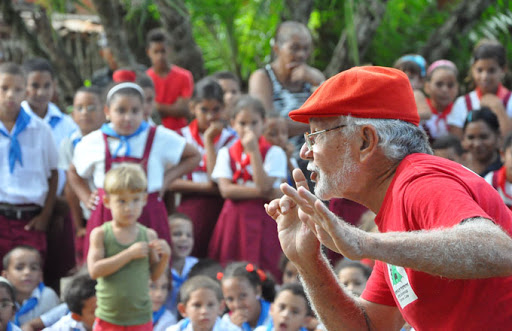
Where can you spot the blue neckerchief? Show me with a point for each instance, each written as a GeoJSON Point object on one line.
{"type": "Point", "coordinates": [54, 120]}
{"type": "Point", "coordinates": [265, 307]}
{"type": "Point", "coordinates": [157, 314]}
{"type": "Point", "coordinates": [76, 141]}
{"type": "Point", "coordinates": [27, 306]}
{"type": "Point", "coordinates": [15, 149]}
{"type": "Point", "coordinates": [179, 280]}
{"type": "Point", "coordinates": [9, 326]}
{"type": "Point", "coordinates": [185, 323]}
{"type": "Point", "coordinates": [123, 140]}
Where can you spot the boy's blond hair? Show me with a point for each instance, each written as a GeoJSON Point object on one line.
{"type": "Point", "coordinates": [128, 177]}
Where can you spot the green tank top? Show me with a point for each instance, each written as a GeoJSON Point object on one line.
{"type": "Point", "coordinates": [123, 297]}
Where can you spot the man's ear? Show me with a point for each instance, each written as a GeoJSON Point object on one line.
{"type": "Point", "coordinates": [369, 142]}
{"type": "Point", "coordinates": [181, 309]}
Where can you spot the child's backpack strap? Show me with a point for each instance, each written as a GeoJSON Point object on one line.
{"type": "Point", "coordinates": [469, 105]}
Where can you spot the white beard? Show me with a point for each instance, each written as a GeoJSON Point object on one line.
{"type": "Point", "coordinates": [330, 186]}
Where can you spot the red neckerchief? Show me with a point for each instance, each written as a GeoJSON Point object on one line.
{"type": "Point", "coordinates": [502, 179]}
{"type": "Point", "coordinates": [236, 151]}
{"type": "Point", "coordinates": [500, 93]}
{"type": "Point", "coordinates": [194, 131]}
{"type": "Point", "coordinates": [440, 115]}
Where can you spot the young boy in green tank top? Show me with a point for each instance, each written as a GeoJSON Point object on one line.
{"type": "Point", "coordinates": [124, 254]}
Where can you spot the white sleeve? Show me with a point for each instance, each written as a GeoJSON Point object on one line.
{"type": "Point", "coordinates": [87, 152]}
{"type": "Point", "coordinates": [509, 107]}
{"type": "Point", "coordinates": [169, 145]}
{"type": "Point", "coordinates": [222, 167]}
{"type": "Point", "coordinates": [53, 315]}
{"type": "Point", "coordinates": [488, 177]}
{"type": "Point", "coordinates": [457, 116]}
{"type": "Point", "coordinates": [52, 155]}
{"type": "Point", "coordinates": [275, 163]}
{"type": "Point", "coordinates": [65, 153]}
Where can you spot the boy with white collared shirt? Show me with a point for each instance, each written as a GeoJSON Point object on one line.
{"type": "Point", "coordinates": [29, 168]}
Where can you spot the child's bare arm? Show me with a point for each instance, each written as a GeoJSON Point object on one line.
{"type": "Point", "coordinates": [213, 131]}
{"type": "Point", "coordinates": [99, 266]}
{"type": "Point", "coordinates": [188, 186]}
{"type": "Point", "coordinates": [40, 222]}
{"type": "Point", "coordinates": [230, 190]}
{"type": "Point", "coordinates": [190, 158]}
{"type": "Point", "coordinates": [81, 188]}
{"type": "Point", "coordinates": [159, 255]}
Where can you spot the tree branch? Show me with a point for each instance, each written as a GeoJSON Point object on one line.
{"type": "Point", "coordinates": [297, 10]}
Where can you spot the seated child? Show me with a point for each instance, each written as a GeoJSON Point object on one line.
{"type": "Point", "coordinates": [158, 292]}
{"type": "Point", "coordinates": [248, 292]}
{"type": "Point", "coordinates": [353, 275]}
{"type": "Point", "coordinates": [23, 269]}
{"type": "Point", "coordinates": [290, 310]}
{"type": "Point", "coordinates": [182, 241]}
{"type": "Point", "coordinates": [501, 179]}
{"type": "Point", "coordinates": [80, 298]}
{"type": "Point", "coordinates": [7, 306]}
{"type": "Point", "coordinates": [201, 304]}
{"type": "Point", "coordinates": [124, 254]}
{"type": "Point", "coordinates": [290, 273]}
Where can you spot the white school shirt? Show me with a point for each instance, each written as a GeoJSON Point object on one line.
{"type": "Point", "coordinates": [274, 165]}
{"type": "Point", "coordinates": [168, 146]}
{"type": "Point", "coordinates": [53, 315]}
{"type": "Point", "coordinates": [61, 130]}
{"type": "Point", "coordinates": [171, 303]}
{"type": "Point", "coordinates": [459, 113]}
{"type": "Point", "coordinates": [220, 325]}
{"type": "Point", "coordinates": [47, 299]}
{"type": "Point", "coordinates": [28, 183]}
{"type": "Point", "coordinates": [167, 320]}
{"type": "Point", "coordinates": [66, 323]}
{"type": "Point", "coordinates": [508, 188]}
{"type": "Point", "coordinates": [226, 139]}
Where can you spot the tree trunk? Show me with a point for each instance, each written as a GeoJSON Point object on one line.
{"type": "Point", "coordinates": [176, 21]}
{"type": "Point", "coordinates": [297, 10]}
{"type": "Point", "coordinates": [46, 44]}
{"type": "Point", "coordinates": [367, 19]}
{"type": "Point", "coordinates": [463, 18]}
{"type": "Point", "coordinates": [110, 16]}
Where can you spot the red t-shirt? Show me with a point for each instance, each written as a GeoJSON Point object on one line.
{"type": "Point", "coordinates": [429, 192]}
{"type": "Point", "coordinates": [178, 83]}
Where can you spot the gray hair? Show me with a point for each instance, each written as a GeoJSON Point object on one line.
{"type": "Point", "coordinates": [396, 138]}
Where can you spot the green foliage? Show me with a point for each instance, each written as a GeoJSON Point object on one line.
{"type": "Point", "coordinates": [234, 34]}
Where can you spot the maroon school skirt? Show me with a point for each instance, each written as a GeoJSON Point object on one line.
{"type": "Point", "coordinates": [245, 232]}
{"type": "Point", "coordinates": [203, 210]}
{"type": "Point", "coordinates": [13, 233]}
{"type": "Point", "coordinates": [154, 216]}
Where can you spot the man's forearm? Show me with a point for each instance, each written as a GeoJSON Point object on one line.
{"type": "Point", "coordinates": [476, 248]}
{"type": "Point", "coordinates": [336, 309]}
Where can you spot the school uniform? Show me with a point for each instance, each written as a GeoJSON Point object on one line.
{"type": "Point", "coordinates": [66, 323]}
{"type": "Point", "coordinates": [154, 148]}
{"type": "Point", "coordinates": [437, 126]}
{"type": "Point", "coordinates": [12, 327]}
{"type": "Point", "coordinates": [53, 315]}
{"type": "Point", "coordinates": [471, 101]}
{"type": "Point", "coordinates": [29, 156]}
{"type": "Point", "coordinates": [162, 319]}
{"type": "Point", "coordinates": [62, 126]}
{"type": "Point", "coordinates": [244, 231]}
{"type": "Point", "coordinates": [42, 300]}
{"type": "Point", "coordinates": [177, 281]}
{"type": "Point", "coordinates": [195, 204]}
{"type": "Point", "coordinates": [265, 319]}
{"type": "Point", "coordinates": [220, 325]}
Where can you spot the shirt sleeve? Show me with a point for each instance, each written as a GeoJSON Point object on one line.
{"type": "Point", "coordinates": [169, 145]}
{"type": "Point", "coordinates": [52, 154]}
{"type": "Point", "coordinates": [275, 164]}
{"type": "Point", "coordinates": [222, 167]}
{"type": "Point", "coordinates": [377, 290]}
{"type": "Point", "coordinates": [65, 153]}
{"type": "Point", "coordinates": [54, 314]}
{"type": "Point", "coordinates": [188, 85]}
{"type": "Point", "coordinates": [459, 112]}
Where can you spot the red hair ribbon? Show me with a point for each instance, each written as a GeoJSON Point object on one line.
{"type": "Point", "coordinates": [262, 274]}
{"type": "Point", "coordinates": [249, 267]}
{"type": "Point", "coordinates": [219, 275]}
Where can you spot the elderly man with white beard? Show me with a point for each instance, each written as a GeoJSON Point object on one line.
{"type": "Point", "coordinates": [444, 254]}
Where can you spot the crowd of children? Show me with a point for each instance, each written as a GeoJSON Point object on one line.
{"type": "Point", "coordinates": [165, 223]}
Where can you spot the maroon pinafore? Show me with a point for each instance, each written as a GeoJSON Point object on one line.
{"type": "Point", "coordinates": [154, 214]}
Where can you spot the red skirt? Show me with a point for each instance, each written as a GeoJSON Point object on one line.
{"type": "Point", "coordinates": [13, 233]}
{"type": "Point", "coordinates": [245, 232]}
{"type": "Point", "coordinates": [203, 210]}
{"type": "Point", "coordinates": [154, 216]}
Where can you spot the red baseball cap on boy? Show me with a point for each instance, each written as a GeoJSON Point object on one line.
{"type": "Point", "coordinates": [365, 92]}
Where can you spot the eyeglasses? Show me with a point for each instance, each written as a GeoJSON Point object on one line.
{"type": "Point", "coordinates": [310, 137]}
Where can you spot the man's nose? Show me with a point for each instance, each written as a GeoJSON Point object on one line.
{"type": "Point", "coordinates": [305, 153]}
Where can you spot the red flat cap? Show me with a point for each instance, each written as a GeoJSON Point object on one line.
{"type": "Point", "coordinates": [124, 75]}
{"type": "Point", "coordinates": [366, 92]}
